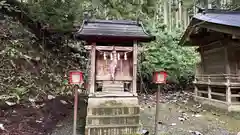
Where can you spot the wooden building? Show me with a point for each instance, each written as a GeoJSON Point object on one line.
{"type": "Point", "coordinates": [113, 107]}
{"type": "Point", "coordinates": [217, 36]}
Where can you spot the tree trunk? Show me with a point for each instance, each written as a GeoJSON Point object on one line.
{"type": "Point", "coordinates": [180, 12]}
{"type": "Point", "coordinates": [166, 12]}
{"type": "Point", "coordinates": [177, 14]}
{"type": "Point", "coordinates": [170, 15]}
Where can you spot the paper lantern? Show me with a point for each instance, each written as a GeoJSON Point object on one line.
{"type": "Point", "coordinates": [159, 77]}
{"type": "Point", "coordinates": [75, 77]}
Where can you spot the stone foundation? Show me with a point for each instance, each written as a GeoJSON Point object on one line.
{"type": "Point", "coordinates": [112, 115]}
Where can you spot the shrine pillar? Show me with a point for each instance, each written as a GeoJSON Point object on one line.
{"type": "Point", "coordinates": [134, 82]}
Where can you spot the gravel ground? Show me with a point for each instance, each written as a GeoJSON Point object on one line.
{"type": "Point", "coordinates": [176, 119]}
{"type": "Point", "coordinates": [169, 123]}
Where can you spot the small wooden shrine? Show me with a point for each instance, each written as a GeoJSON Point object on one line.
{"type": "Point", "coordinates": [217, 36]}
{"type": "Point", "coordinates": [113, 107]}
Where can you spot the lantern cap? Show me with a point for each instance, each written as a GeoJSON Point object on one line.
{"type": "Point", "coordinates": [160, 70]}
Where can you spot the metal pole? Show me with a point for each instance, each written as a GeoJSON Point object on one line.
{"type": "Point", "coordinates": [75, 112]}
{"type": "Point", "coordinates": [157, 109]}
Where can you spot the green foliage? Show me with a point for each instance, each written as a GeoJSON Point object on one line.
{"type": "Point", "coordinates": [55, 14]}
{"type": "Point", "coordinates": [164, 53]}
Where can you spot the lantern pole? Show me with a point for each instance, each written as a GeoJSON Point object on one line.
{"type": "Point", "coordinates": [75, 112]}
{"type": "Point", "coordinates": [75, 109]}
{"type": "Point", "coordinates": [78, 84]}
{"type": "Point", "coordinates": [157, 109]}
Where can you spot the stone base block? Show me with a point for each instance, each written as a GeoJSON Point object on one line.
{"type": "Point", "coordinates": [112, 116]}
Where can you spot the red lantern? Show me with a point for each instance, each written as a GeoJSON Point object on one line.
{"type": "Point", "coordinates": [159, 77]}
{"type": "Point", "coordinates": [75, 77]}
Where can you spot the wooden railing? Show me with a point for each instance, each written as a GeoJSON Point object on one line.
{"type": "Point", "coordinates": [218, 79]}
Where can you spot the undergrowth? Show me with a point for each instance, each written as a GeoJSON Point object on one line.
{"type": "Point", "coordinates": [28, 69]}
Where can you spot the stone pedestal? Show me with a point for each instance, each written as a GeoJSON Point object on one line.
{"type": "Point", "coordinates": [110, 86]}
{"type": "Point", "coordinates": [109, 115]}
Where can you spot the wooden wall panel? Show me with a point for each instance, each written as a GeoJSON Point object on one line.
{"type": "Point", "coordinates": [214, 61]}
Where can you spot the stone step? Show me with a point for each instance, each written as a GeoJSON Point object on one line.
{"type": "Point", "coordinates": [112, 130]}
{"type": "Point", "coordinates": [111, 90]}
{"type": "Point", "coordinates": [117, 120]}
{"type": "Point", "coordinates": [113, 86]}
{"type": "Point", "coordinates": [113, 110]}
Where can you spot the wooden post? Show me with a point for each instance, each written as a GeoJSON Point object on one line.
{"type": "Point", "coordinates": [195, 89]}
{"type": "Point", "coordinates": [75, 112]}
{"type": "Point", "coordinates": [134, 81]}
{"type": "Point", "coordinates": [209, 88]}
{"type": "Point", "coordinates": [93, 68]}
{"type": "Point", "coordinates": [227, 68]}
{"type": "Point", "coordinates": [228, 92]}
{"type": "Point", "coordinates": [202, 59]}
{"type": "Point", "coordinates": [157, 110]}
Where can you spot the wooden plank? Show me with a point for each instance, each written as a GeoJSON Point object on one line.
{"type": "Point", "coordinates": [221, 28]}
{"type": "Point", "coordinates": [213, 100]}
{"type": "Point", "coordinates": [235, 103]}
{"type": "Point", "coordinates": [214, 49]}
{"type": "Point", "coordinates": [218, 94]}
{"type": "Point", "coordinates": [235, 95]}
{"type": "Point", "coordinates": [212, 83]}
{"type": "Point", "coordinates": [110, 48]}
{"type": "Point", "coordinates": [203, 92]}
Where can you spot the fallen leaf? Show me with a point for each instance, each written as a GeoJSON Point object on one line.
{"type": "Point", "coordinates": [38, 121]}
{"type": "Point", "coordinates": [31, 100]}
{"type": "Point", "coordinates": [181, 118]}
{"type": "Point", "coordinates": [10, 103]}
{"type": "Point", "coordinates": [63, 102]}
{"type": "Point", "coordinates": [50, 97]}
{"type": "Point", "coordinates": [59, 125]}
{"type": "Point", "coordinates": [196, 133]}
{"type": "Point", "coordinates": [2, 127]}
{"type": "Point", "coordinates": [197, 115]}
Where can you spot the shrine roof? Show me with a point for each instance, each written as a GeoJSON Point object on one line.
{"type": "Point", "coordinates": [217, 20]}
{"type": "Point", "coordinates": [108, 31]}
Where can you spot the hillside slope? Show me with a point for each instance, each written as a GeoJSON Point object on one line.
{"type": "Point", "coordinates": [30, 74]}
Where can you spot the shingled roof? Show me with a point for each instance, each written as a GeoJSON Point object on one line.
{"type": "Point", "coordinates": [220, 20]}
{"type": "Point", "coordinates": [113, 31]}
